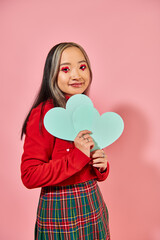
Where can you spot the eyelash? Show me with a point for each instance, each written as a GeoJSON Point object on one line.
{"type": "Point", "coordinates": [66, 68]}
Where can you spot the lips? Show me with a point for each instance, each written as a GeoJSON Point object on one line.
{"type": "Point", "coordinates": [76, 84]}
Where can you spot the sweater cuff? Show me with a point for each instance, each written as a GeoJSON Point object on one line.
{"type": "Point", "coordinates": [102, 176]}
{"type": "Point", "coordinates": [82, 156]}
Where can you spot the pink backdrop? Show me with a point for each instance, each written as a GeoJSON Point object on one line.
{"type": "Point", "coordinates": [122, 40]}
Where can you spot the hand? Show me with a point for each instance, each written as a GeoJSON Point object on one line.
{"type": "Point", "coordinates": [99, 160]}
{"type": "Point", "coordinates": [84, 142]}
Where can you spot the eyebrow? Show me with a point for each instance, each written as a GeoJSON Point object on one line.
{"type": "Point", "coordinates": [67, 63]}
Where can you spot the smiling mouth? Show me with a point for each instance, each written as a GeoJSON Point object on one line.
{"type": "Point", "coordinates": [76, 84]}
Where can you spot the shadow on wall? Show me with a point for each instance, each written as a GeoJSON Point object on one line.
{"type": "Point", "coordinates": [134, 183]}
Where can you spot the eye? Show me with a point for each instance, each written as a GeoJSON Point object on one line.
{"type": "Point", "coordinates": [83, 67]}
{"type": "Point", "coordinates": [65, 69]}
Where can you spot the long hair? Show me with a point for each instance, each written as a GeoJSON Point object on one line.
{"type": "Point", "coordinates": [49, 87]}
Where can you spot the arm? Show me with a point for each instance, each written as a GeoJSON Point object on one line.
{"type": "Point", "coordinates": [37, 167]}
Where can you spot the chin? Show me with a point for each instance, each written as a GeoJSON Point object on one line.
{"type": "Point", "coordinates": [78, 92]}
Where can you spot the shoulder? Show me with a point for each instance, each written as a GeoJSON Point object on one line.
{"type": "Point", "coordinates": [45, 106]}
{"type": "Point", "coordinates": [37, 137]}
{"type": "Point", "coordinates": [41, 109]}
{"type": "Point", "coordinates": [37, 114]}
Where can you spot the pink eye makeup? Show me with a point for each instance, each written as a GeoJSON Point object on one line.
{"type": "Point", "coordinates": [83, 67]}
{"type": "Point", "coordinates": [65, 69]}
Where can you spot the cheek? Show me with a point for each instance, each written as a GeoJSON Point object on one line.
{"type": "Point", "coordinates": [87, 73]}
{"type": "Point", "coordinates": [87, 76]}
{"type": "Point", "coordinates": [61, 79]}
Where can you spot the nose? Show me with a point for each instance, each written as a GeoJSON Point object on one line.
{"type": "Point", "coordinates": [75, 75]}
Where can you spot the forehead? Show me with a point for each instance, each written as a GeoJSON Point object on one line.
{"type": "Point", "coordinates": [72, 54]}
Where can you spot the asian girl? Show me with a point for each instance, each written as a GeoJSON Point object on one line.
{"type": "Point", "coordinates": [71, 205]}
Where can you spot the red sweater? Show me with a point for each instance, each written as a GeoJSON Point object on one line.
{"type": "Point", "coordinates": [47, 160]}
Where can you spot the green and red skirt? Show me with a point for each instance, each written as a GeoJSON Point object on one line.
{"type": "Point", "coordinates": [73, 212]}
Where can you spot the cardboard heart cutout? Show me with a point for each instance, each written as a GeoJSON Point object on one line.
{"type": "Point", "coordinates": [81, 115]}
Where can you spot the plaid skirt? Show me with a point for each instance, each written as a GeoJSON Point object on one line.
{"type": "Point", "coordinates": [72, 212]}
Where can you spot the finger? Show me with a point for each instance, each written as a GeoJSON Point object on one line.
{"type": "Point", "coordinates": [94, 154]}
{"type": "Point", "coordinates": [86, 136]}
{"type": "Point", "coordinates": [89, 144]}
{"type": "Point", "coordinates": [99, 165]}
{"type": "Point", "coordinates": [99, 160]}
{"type": "Point", "coordinates": [100, 154]}
{"type": "Point", "coordinates": [83, 140]}
{"type": "Point", "coordinates": [89, 139]}
{"type": "Point", "coordinates": [81, 133]}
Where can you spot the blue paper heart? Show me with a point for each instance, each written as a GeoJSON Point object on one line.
{"type": "Point", "coordinates": [81, 115]}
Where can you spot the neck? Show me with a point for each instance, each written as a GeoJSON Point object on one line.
{"type": "Point", "coordinates": [67, 96]}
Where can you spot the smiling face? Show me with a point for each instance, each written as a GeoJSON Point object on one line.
{"type": "Point", "coordinates": [74, 75]}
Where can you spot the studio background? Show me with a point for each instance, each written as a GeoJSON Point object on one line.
{"type": "Point", "coordinates": [122, 41]}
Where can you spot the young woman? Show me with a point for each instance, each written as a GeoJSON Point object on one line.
{"type": "Point", "coordinates": [71, 206]}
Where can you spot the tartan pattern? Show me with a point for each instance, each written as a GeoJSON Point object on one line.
{"type": "Point", "coordinates": [72, 212]}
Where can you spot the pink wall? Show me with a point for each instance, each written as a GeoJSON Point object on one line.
{"type": "Point", "coordinates": [122, 40]}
